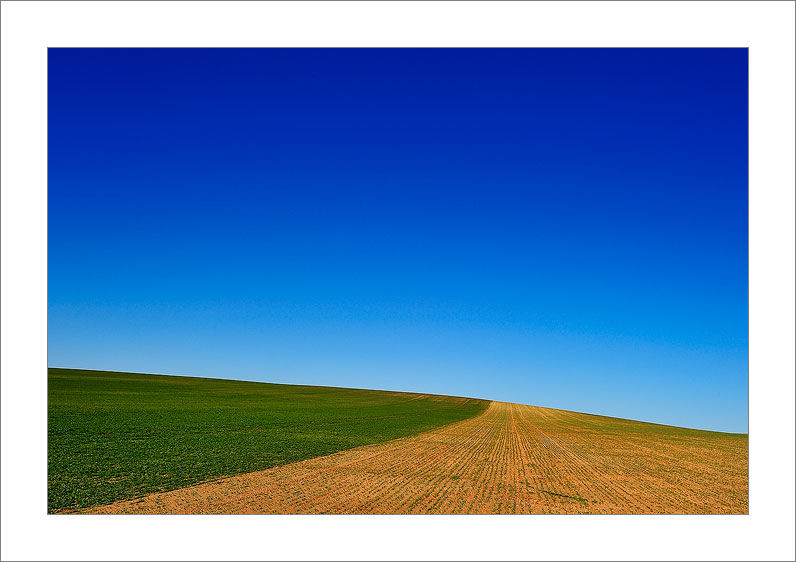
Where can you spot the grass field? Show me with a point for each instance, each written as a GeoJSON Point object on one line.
{"type": "Point", "coordinates": [115, 436]}
{"type": "Point", "coordinates": [510, 459]}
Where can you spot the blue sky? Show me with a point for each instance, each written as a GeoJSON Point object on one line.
{"type": "Point", "coordinates": [563, 228]}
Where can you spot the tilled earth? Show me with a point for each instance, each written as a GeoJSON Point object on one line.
{"type": "Point", "coordinates": [510, 459]}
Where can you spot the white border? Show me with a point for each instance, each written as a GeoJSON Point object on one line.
{"type": "Point", "coordinates": [29, 28]}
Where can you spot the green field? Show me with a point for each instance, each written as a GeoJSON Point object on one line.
{"type": "Point", "coordinates": [114, 436]}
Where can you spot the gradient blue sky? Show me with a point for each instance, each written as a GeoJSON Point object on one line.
{"type": "Point", "coordinates": [564, 228]}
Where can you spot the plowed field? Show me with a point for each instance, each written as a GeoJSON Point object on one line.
{"type": "Point", "coordinates": [510, 459]}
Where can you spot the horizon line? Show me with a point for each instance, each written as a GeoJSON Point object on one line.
{"type": "Point", "coordinates": [401, 392]}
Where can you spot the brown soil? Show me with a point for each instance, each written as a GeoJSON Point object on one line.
{"type": "Point", "coordinates": [511, 459]}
